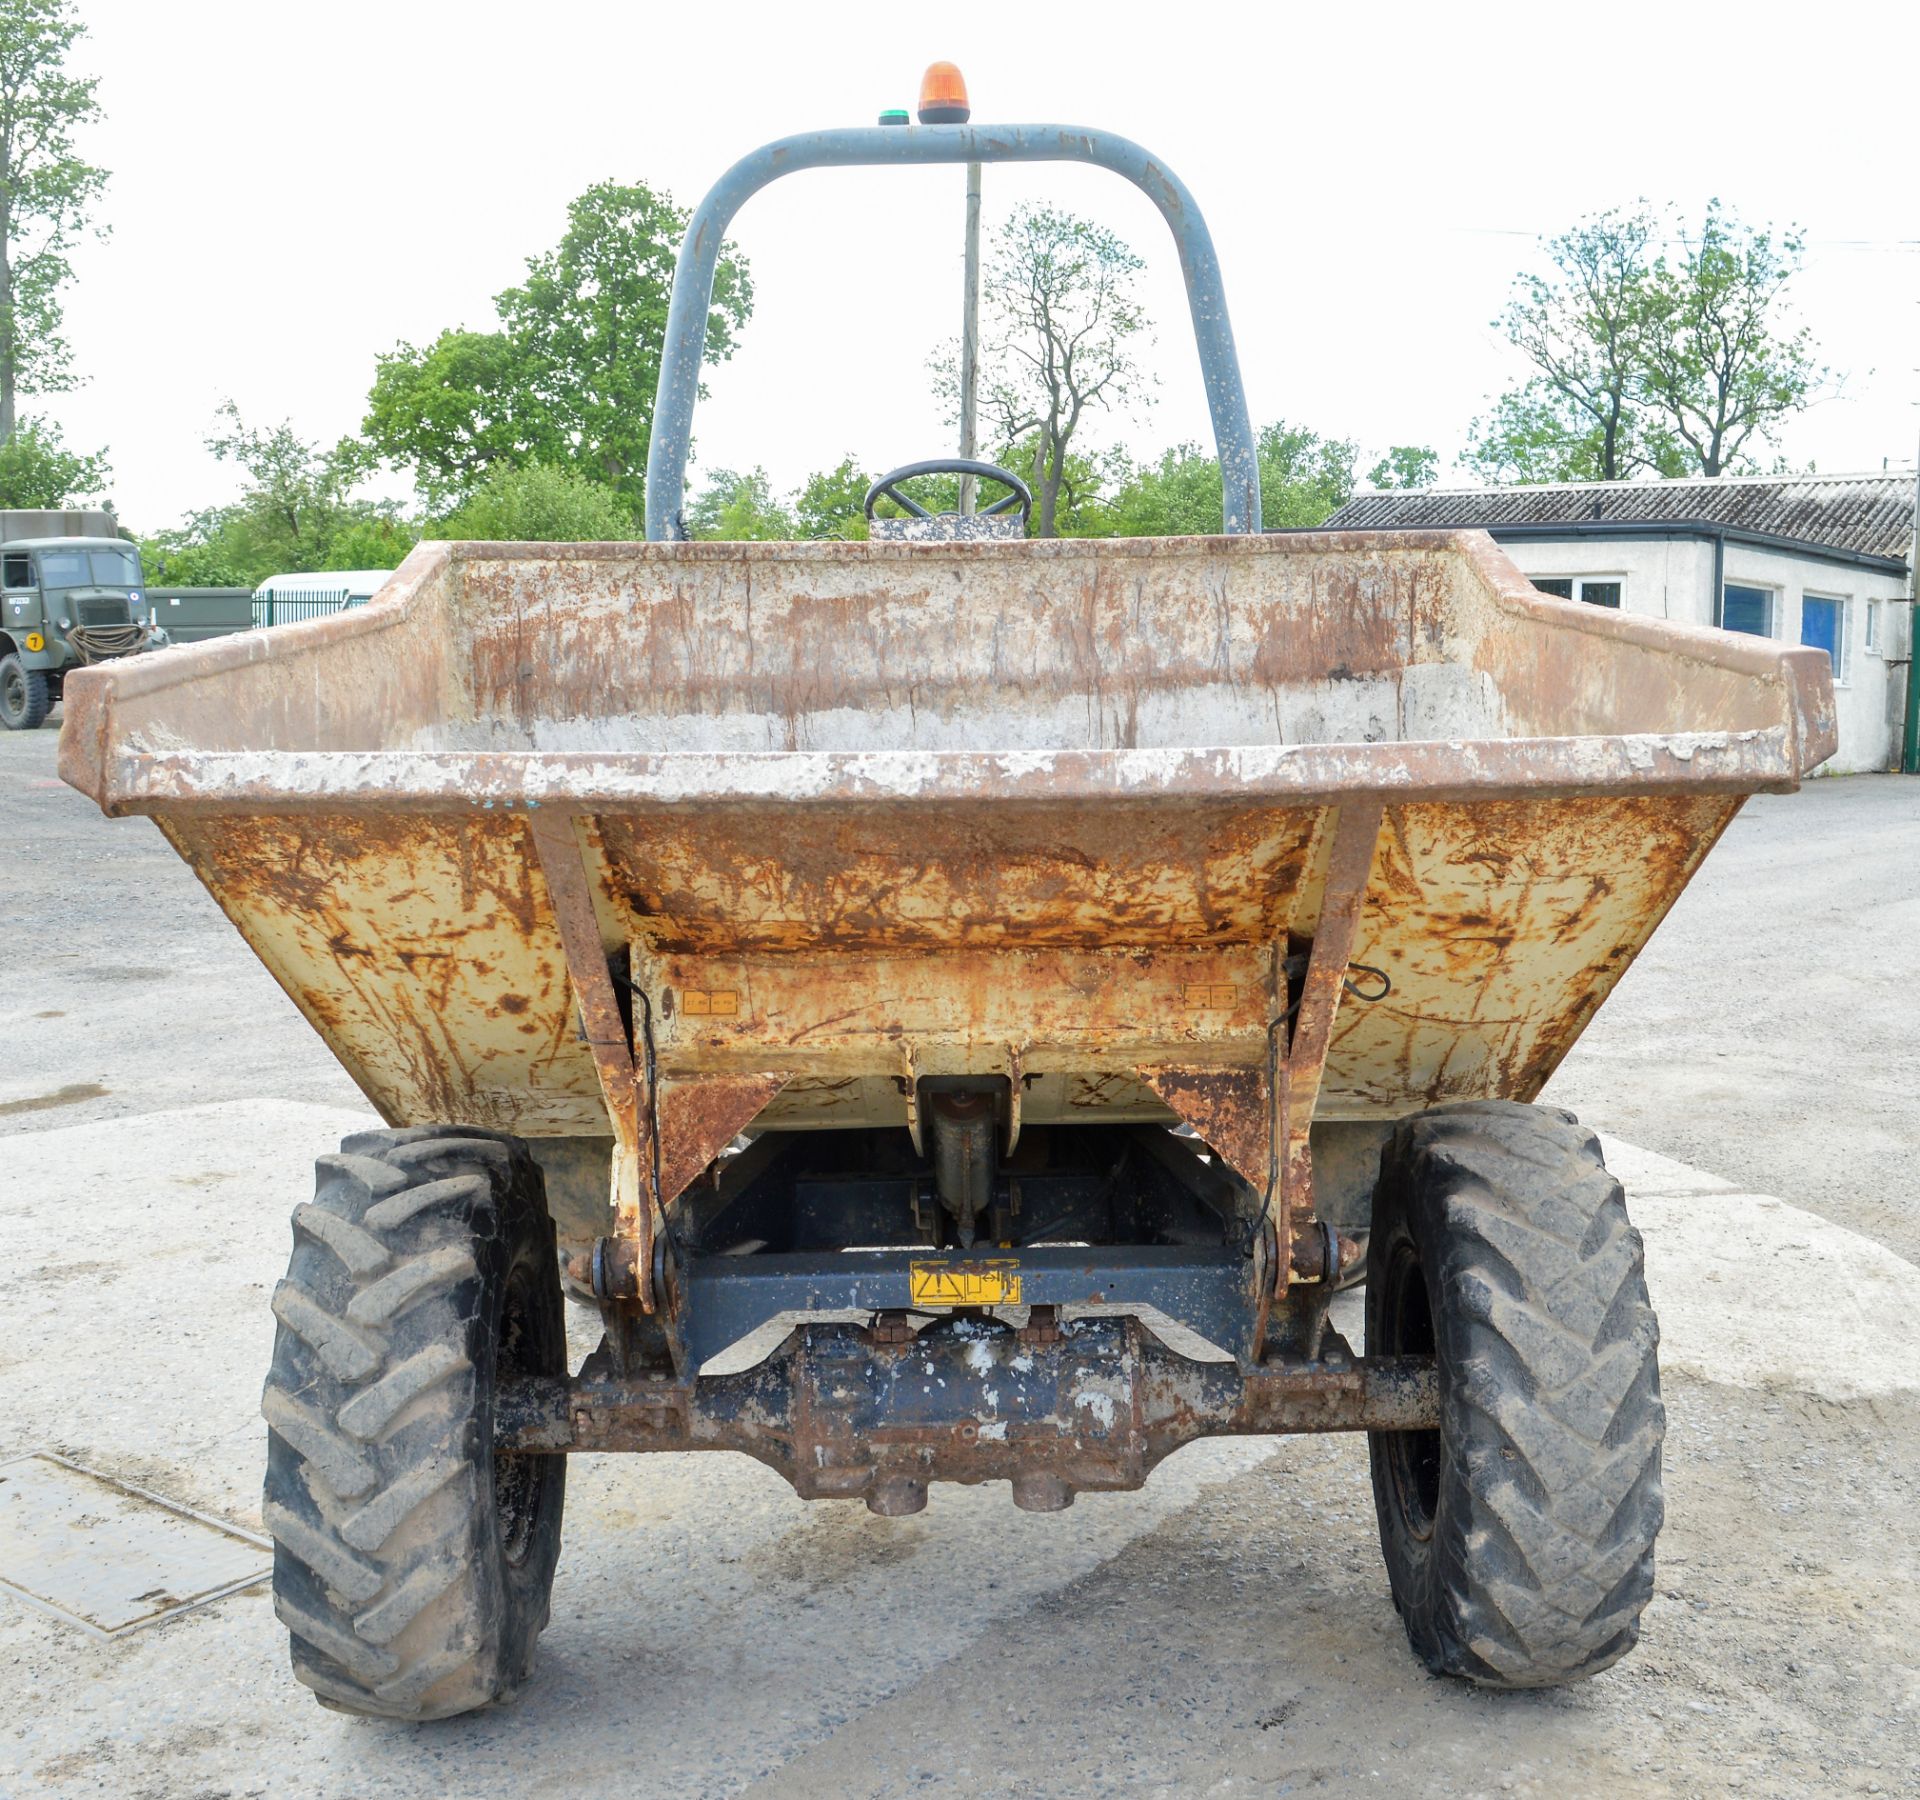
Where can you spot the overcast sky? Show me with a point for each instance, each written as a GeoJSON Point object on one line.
{"type": "Point", "coordinates": [298, 185]}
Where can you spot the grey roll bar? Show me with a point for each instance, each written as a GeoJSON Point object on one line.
{"type": "Point", "coordinates": [854, 146]}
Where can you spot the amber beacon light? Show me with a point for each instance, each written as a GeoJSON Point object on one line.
{"type": "Point", "coordinates": [943, 96]}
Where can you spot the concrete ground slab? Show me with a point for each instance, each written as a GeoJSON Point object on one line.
{"type": "Point", "coordinates": [1644, 1172]}
{"type": "Point", "coordinates": [110, 1557]}
{"type": "Point", "coordinates": [1227, 1630]}
{"type": "Point", "coordinates": [1760, 1294]}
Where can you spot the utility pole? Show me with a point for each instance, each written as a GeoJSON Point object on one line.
{"type": "Point", "coordinates": [1910, 724]}
{"type": "Point", "coordinates": [970, 340]}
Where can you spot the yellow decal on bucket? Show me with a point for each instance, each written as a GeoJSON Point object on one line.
{"type": "Point", "coordinates": [995, 1282]}
{"type": "Point", "coordinates": [719, 1003]}
{"type": "Point", "coordinates": [1213, 995]}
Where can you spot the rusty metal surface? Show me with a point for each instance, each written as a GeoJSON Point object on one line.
{"type": "Point", "coordinates": [1287, 648]}
{"type": "Point", "coordinates": [1504, 927]}
{"type": "Point", "coordinates": [1343, 897]}
{"type": "Point", "coordinates": [424, 951]}
{"type": "Point", "coordinates": [1232, 1109]}
{"type": "Point", "coordinates": [625, 1083]}
{"type": "Point", "coordinates": [1090, 1405]}
{"type": "Point", "coordinates": [1066, 833]}
{"type": "Point", "coordinates": [1136, 873]}
{"type": "Point", "coordinates": [1320, 1253]}
{"type": "Point", "coordinates": [700, 1118]}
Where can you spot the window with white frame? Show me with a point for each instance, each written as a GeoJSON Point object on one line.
{"type": "Point", "coordinates": [1596, 590]}
{"type": "Point", "coordinates": [1871, 639]}
{"type": "Point", "coordinates": [1823, 626]}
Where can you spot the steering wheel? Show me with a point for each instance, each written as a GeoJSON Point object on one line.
{"type": "Point", "coordinates": [1018, 493]}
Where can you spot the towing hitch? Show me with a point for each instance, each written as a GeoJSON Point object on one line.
{"type": "Point", "coordinates": [845, 1411]}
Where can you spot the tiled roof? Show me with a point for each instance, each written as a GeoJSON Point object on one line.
{"type": "Point", "coordinates": [1869, 514]}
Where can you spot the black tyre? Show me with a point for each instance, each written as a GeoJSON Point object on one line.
{"type": "Point", "coordinates": [26, 696]}
{"type": "Point", "coordinates": [412, 1564]}
{"type": "Point", "coordinates": [1519, 1536]}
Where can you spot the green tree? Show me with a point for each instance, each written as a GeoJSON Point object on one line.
{"type": "Point", "coordinates": [569, 376]}
{"type": "Point", "coordinates": [1088, 480]}
{"type": "Point", "coordinates": [540, 504]}
{"type": "Point", "coordinates": [1406, 466]}
{"type": "Point", "coordinates": [455, 411]}
{"type": "Point", "coordinates": [298, 511]}
{"type": "Point", "coordinates": [37, 469]}
{"type": "Point", "coordinates": [300, 496]}
{"type": "Point", "coordinates": [831, 503]}
{"type": "Point", "coordinates": [379, 541]}
{"type": "Point", "coordinates": [1722, 366]}
{"type": "Point", "coordinates": [1534, 434]}
{"type": "Point", "coordinates": [46, 194]}
{"type": "Point", "coordinates": [192, 555]}
{"type": "Point", "coordinates": [1583, 328]}
{"type": "Point", "coordinates": [1057, 342]}
{"type": "Point", "coordinates": [1177, 496]}
{"type": "Point", "coordinates": [1304, 478]}
{"type": "Point", "coordinates": [1645, 363]}
{"type": "Point", "coordinates": [738, 507]}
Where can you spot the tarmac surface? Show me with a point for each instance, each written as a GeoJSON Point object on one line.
{"type": "Point", "coordinates": [1225, 1631]}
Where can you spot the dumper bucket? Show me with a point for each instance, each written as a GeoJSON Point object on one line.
{"type": "Point", "coordinates": [846, 817]}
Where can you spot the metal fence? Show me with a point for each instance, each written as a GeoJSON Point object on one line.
{"type": "Point", "coordinates": [285, 609]}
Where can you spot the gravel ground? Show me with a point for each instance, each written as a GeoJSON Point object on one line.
{"type": "Point", "coordinates": [1225, 1631]}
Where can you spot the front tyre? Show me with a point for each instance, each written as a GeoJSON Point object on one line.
{"type": "Point", "coordinates": [1519, 1536]}
{"type": "Point", "coordinates": [412, 1563]}
{"type": "Point", "coordinates": [26, 696]}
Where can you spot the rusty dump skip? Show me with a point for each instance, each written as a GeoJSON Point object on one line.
{"type": "Point", "coordinates": [646, 842]}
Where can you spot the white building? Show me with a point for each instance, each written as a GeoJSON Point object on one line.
{"type": "Point", "coordinates": [1813, 559]}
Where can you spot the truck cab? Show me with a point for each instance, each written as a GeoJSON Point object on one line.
{"type": "Point", "coordinates": [71, 593]}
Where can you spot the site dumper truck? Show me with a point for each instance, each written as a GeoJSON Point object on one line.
{"type": "Point", "coordinates": [1022, 978]}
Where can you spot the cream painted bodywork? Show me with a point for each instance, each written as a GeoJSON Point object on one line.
{"type": "Point", "coordinates": [855, 814]}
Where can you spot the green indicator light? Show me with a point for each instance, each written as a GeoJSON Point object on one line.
{"type": "Point", "coordinates": [895, 115]}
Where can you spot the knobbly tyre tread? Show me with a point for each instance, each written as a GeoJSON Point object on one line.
{"type": "Point", "coordinates": [37, 700]}
{"type": "Point", "coordinates": [389, 1567]}
{"type": "Point", "coordinates": [1541, 1552]}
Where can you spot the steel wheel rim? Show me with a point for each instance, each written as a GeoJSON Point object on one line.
{"type": "Point", "coordinates": [519, 1479]}
{"type": "Point", "coordinates": [1413, 1457]}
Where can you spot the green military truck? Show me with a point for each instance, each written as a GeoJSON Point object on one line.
{"type": "Point", "coordinates": [71, 594]}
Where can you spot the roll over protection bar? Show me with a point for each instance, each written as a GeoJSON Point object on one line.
{"type": "Point", "coordinates": [857, 146]}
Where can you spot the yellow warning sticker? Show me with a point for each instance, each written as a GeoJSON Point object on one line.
{"type": "Point", "coordinates": [1215, 996]}
{"type": "Point", "coordinates": [994, 1282]}
{"type": "Point", "coordinates": [718, 1003]}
